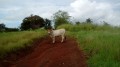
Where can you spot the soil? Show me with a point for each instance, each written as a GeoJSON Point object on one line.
{"type": "Point", "coordinates": [44, 53]}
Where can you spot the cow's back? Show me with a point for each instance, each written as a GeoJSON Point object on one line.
{"type": "Point", "coordinates": [59, 32]}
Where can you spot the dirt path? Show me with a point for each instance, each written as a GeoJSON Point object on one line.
{"type": "Point", "coordinates": [46, 54]}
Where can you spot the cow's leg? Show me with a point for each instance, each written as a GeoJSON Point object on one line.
{"type": "Point", "coordinates": [53, 39]}
{"type": "Point", "coordinates": [62, 38]}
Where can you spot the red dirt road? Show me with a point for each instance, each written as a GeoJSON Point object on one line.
{"type": "Point", "coordinates": [46, 54]}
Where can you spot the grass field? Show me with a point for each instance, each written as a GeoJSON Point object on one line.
{"type": "Point", "coordinates": [13, 41]}
{"type": "Point", "coordinates": [100, 43]}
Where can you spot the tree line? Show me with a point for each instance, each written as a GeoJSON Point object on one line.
{"type": "Point", "coordinates": [34, 22]}
{"type": "Point", "coordinates": [3, 28]}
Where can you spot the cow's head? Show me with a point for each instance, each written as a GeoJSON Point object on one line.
{"type": "Point", "coordinates": [49, 31]}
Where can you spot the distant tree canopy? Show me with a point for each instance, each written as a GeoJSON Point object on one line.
{"type": "Point", "coordinates": [11, 29]}
{"type": "Point", "coordinates": [32, 22]}
{"type": "Point", "coordinates": [77, 23]}
{"type": "Point", "coordinates": [89, 20]}
{"type": "Point", "coordinates": [61, 17]}
{"type": "Point", "coordinates": [2, 27]}
{"type": "Point", "coordinates": [105, 23]}
{"type": "Point", "coordinates": [47, 24]}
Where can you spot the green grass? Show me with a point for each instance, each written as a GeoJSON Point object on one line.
{"type": "Point", "coordinates": [102, 47]}
{"type": "Point", "coordinates": [13, 41]}
{"type": "Point", "coordinates": [88, 27]}
{"type": "Point", "coordinates": [101, 44]}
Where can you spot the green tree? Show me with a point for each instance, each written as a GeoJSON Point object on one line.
{"type": "Point", "coordinates": [77, 23]}
{"type": "Point", "coordinates": [32, 22]}
{"type": "Point", "coordinates": [2, 27]}
{"type": "Point", "coordinates": [61, 17]}
{"type": "Point", "coordinates": [11, 29]}
{"type": "Point", "coordinates": [105, 23]}
{"type": "Point", "coordinates": [89, 20]}
{"type": "Point", "coordinates": [47, 24]}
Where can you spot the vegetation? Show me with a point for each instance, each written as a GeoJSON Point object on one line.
{"type": "Point", "coordinates": [2, 27]}
{"type": "Point", "coordinates": [47, 24]}
{"type": "Point", "coordinates": [11, 29]}
{"type": "Point", "coordinates": [13, 41]}
{"type": "Point", "coordinates": [89, 20]}
{"type": "Point", "coordinates": [100, 43]}
{"type": "Point", "coordinates": [61, 17]}
{"type": "Point", "coordinates": [32, 22]}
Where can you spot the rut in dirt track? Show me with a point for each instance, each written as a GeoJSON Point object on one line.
{"type": "Point", "coordinates": [46, 54]}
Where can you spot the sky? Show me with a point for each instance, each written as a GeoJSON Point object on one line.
{"type": "Point", "coordinates": [12, 12]}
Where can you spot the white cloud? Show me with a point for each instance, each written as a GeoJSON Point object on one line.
{"type": "Point", "coordinates": [14, 11]}
{"type": "Point", "coordinates": [98, 11]}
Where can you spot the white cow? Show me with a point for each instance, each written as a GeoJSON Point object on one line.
{"type": "Point", "coordinates": [58, 32]}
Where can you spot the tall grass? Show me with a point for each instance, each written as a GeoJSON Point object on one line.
{"type": "Point", "coordinates": [102, 47]}
{"type": "Point", "coordinates": [89, 27]}
{"type": "Point", "coordinates": [100, 43]}
{"type": "Point", "coordinates": [12, 41]}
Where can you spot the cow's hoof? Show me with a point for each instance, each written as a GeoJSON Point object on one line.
{"type": "Point", "coordinates": [62, 42]}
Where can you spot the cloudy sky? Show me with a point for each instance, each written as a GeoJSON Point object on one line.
{"type": "Point", "coordinates": [12, 12]}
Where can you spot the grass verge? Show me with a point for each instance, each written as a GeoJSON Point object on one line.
{"type": "Point", "coordinates": [13, 41]}
{"type": "Point", "coordinates": [101, 44]}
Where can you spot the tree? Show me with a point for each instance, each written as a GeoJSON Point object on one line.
{"type": "Point", "coordinates": [32, 22]}
{"type": "Point", "coordinates": [48, 24]}
{"type": "Point", "coordinates": [11, 29]}
{"type": "Point", "coordinates": [77, 23]}
{"type": "Point", "coordinates": [88, 20]}
{"type": "Point", "coordinates": [2, 27]}
{"type": "Point", "coordinates": [61, 17]}
{"type": "Point", "coordinates": [105, 23]}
